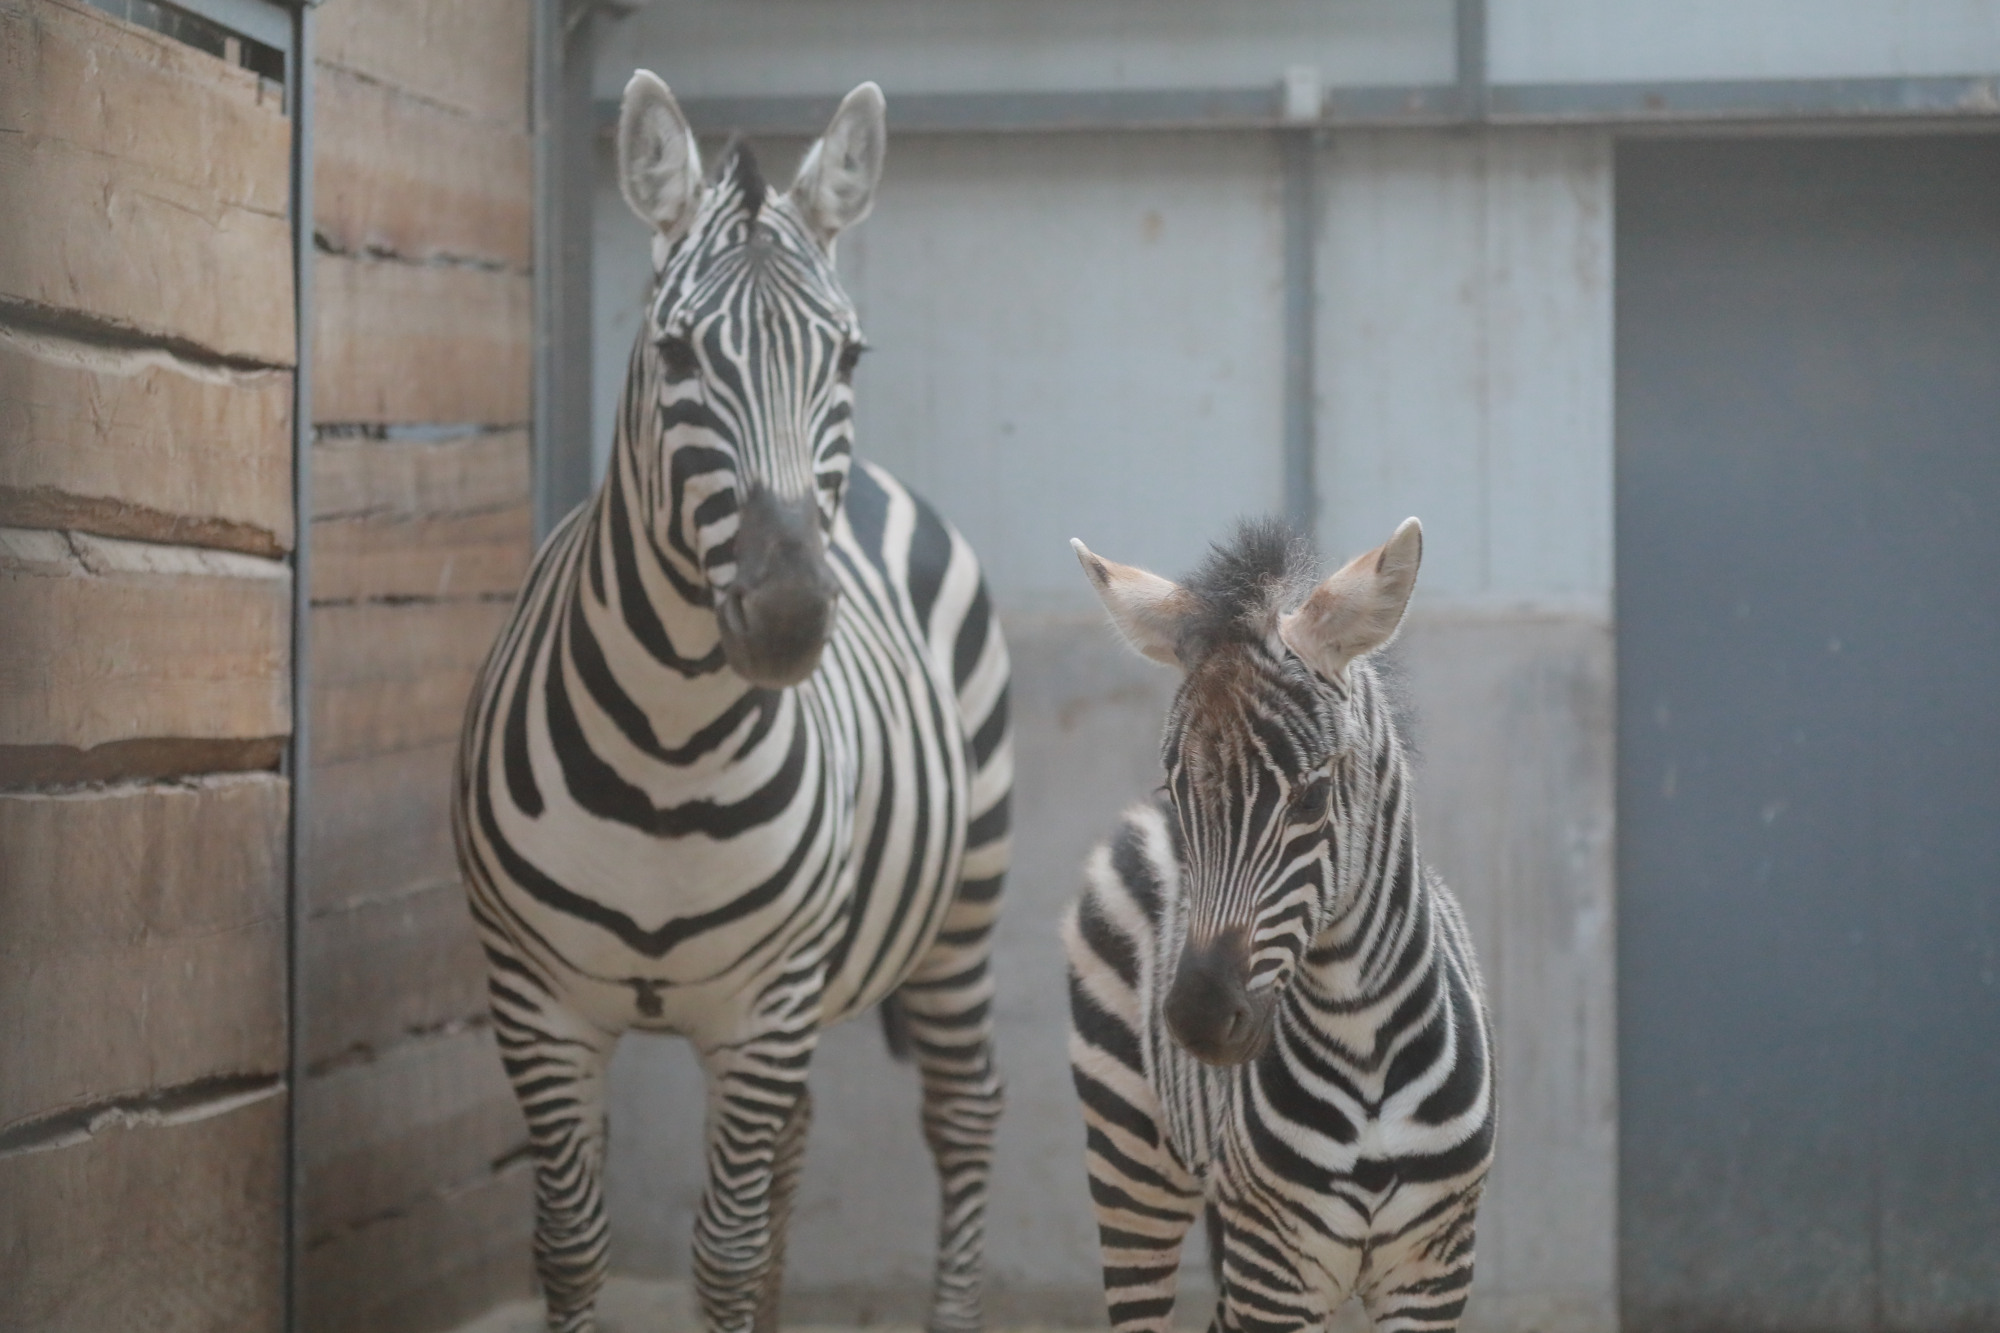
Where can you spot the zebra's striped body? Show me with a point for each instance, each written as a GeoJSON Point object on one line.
{"type": "Point", "coordinates": [651, 840]}
{"type": "Point", "coordinates": [1269, 910]}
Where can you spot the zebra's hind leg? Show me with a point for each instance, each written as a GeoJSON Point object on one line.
{"type": "Point", "coordinates": [556, 1062]}
{"type": "Point", "coordinates": [947, 1006]}
{"type": "Point", "coordinates": [755, 1122]}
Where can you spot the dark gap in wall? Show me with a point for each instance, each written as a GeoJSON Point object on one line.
{"type": "Point", "coordinates": [202, 34]}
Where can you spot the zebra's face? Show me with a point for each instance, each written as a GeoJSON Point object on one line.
{"type": "Point", "coordinates": [1251, 751]}
{"type": "Point", "coordinates": [1263, 751]}
{"type": "Point", "coordinates": [750, 344]}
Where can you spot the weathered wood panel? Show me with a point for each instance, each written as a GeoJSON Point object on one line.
{"type": "Point", "coordinates": [398, 175]}
{"type": "Point", "coordinates": [369, 478]}
{"type": "Point", "coordinates": [471, 55]}
{"type": "Point", "coordinates": [146, 184]}
{"type": "Point", "coordinates": [380, 971]}
{"type": "Point", "coordinates": [112, 641]}
{"type": "Point", "coordinates": [467, 555]}
{"type": "Point", "coordinates": [420, 343]}
{"type": "Point", "coordinates": [380, 825]}
{"type": "Point", "coordinates": [427, 1116]}
{"type": "Point", "coordinates": [394, 676]}
{"type": "Point", "coordinates": [93, 235]}
{"type": "Point", "coordinates": [74, 74]}
{"type": "Point", "coordinates": [141, 939]}
{"type": "Point", "coordinates": [142, 444]}
{"type": "Point", "coordinates": [171, 1228]}
{"type": "Point", "coordinates": [432, 1266]}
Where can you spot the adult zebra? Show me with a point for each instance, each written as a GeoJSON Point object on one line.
{"type": "Point", "coordinates": [1275, 1009]}
{"type": "Point", "coordinates": [739, 765]}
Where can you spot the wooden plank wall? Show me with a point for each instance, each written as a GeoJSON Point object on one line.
{"type": "Point", "coordinates": [417, 1199]}
{"type": "Point", "coordinates": [146, 345]}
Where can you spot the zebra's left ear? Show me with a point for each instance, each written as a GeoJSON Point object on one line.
{"type": "Point", "coordinates": [1359, 608]}
{"type": "Point", "coordinates": [1146, 608]}
{"type": "Point", "coordinates": [836, 184]}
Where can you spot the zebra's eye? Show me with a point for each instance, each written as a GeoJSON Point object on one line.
{"type": "Point", "coordinates": [1309, 802]}
{"type": "Point", "coordinates": [850, 356]}
{"type": "Point", "coordinates": [678, 354]}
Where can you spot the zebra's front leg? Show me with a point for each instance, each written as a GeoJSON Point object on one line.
{"type": "Point", "coordinates": [758, 1109]}
{"type": "Point", "coordinates": [556, 1062]}
{"type": "Point", "coordinates": [947, 1006]}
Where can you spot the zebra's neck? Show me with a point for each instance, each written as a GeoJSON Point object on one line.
{"type": "Point", "coordinates": [652, 618]}
{"type": "Point", "coordinates": [1380, 897]}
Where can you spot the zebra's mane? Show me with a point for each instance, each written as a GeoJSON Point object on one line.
{"type": "Point", "coordinates": [736, 167]}
{"type": "Point", "coordinates": [1246, 581]}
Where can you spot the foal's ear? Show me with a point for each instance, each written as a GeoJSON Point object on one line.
{"type": "Point", "coordinates": [836, 184]}
{"type": "Point", "coordinates": [1146, 608]}
{"type": "Point", "coordinates": [659, 167]}
{"type": "Point", "coordinates": [1357, 609]}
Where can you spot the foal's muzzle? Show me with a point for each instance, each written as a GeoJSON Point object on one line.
{"type": "Point", "coordinates": [1211, 1010]}
{"type": "Point", "coordinates": [776, 615]}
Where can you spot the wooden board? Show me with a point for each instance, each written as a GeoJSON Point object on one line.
{"type": "Point", "coordinates": [390, 676]}
{"type": "Point", "coordinates": [381, 970]}
{"type": "Point", "coordinates": [468, 555]}
{"type": "Point", "coordinates": [175, 1228]}
{"type": "Point", "coordinates": [432, 1266]}
{"type": "Point", "coordinates": [73, 74]}
{"type": "Point", "coordinates": [427, 1116]}
{"type": "Point", "coordinates": [470, 55]}
{"type": "Point", "coordinates": [468, 474]}
{"type": "Point", "coordinates": [380, 825]}
{"type": "Point", "coordinates": [142, 444]}
{"type": "Point", "coordinates": [399, 342]}
{"type": "Point", "coordinates": [146, 185]}
{"type": "Point", "coordinates": [112, 641]}
{"type": "Point", "coordinates": [394, 174]}
{"type": "Point", "coordinates": [142, 939]}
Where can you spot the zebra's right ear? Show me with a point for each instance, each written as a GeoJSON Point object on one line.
{"type": "Point", "coordinates": [659, 167]}
{"type": "Point", "coordinates": [1146, 608]}
{"type": "Point", "coordinates": [836, 183]}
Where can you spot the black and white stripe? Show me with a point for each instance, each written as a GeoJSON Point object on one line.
{"type": "Point", "coordinates": [1276, 1013]}
{"type": "Point", "coordinates": [652, 841]}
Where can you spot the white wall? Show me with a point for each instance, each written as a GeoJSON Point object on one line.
{"type": "Point", "coordinates": [1607, 41]}
{"type": "Point", "coordinates": [706, 48]}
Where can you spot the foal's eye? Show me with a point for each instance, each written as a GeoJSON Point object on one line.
{"type": "Point", "coordinates": [679, 357]}
{"type": "Point", "coordinates": [1309, 801]}
{"type": "Point", "coordinates": [850, 356]}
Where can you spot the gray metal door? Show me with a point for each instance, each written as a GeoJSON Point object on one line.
{"type": "Point", "coordinates": [1808, 510]}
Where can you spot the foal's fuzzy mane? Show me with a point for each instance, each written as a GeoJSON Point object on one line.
{"type": "Point", "coordinates": [1246, 581]}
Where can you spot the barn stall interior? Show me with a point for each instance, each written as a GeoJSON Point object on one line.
{"type": "Point", "coordinates": [311, 318]}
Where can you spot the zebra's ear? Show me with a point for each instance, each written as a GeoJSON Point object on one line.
{"type": "Point", "coordinates": [659, 167]}
{"type": "Point", "coordinates": [1359, 608]}
{"type": "Point", "coordinates": [836, 183]}
{"type": "Point", "coordinates": [1146, 608]}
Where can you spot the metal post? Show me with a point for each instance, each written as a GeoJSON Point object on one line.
{"type": "Point", "coordinates": [1298, 149]}
{"type": "Point", "coordinates": [565, 174]}
{"type": "Point", "coordinates": [299, 77]}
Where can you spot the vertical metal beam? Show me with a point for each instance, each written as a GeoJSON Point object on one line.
{"type": "Point", "coordinates": [1469, 29]}
{"type": "Point", "coordinates": [565, 172]}
{"type": "Point", "coordinates": [1298, 150]}
{"type": "Point", "coordinates": [299, 93]}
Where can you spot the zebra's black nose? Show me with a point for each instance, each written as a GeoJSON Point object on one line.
{"type": "Point", "coordinates": [776, 615]}
{"type": "Point", "coordinates": [1210, 1009]}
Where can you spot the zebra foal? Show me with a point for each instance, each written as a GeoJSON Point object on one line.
{"type": "Point", "coordinates": [1275, 1012]}
{"type": "Point", "coordinates": [739, 765]}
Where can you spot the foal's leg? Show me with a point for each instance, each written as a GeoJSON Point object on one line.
{"type": "Point", "coordinates": [947, 1006]}
{"type": "Point", "coordinates": [1426, 1276]}
{"type": "Point", "coordinates": [785, 1168]}
{"type": "Point", "coordinates": [757, 1115]}
{"type": "Point", "coordinates": [556, 1062]}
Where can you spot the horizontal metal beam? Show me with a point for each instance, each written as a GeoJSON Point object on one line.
{"type": "Point", "coordinates": [1412, 105]}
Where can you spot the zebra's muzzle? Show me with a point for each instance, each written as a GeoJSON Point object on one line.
{"type": "Point", "coordinates": [776, 614]}
{"type": "Point", "coordinates": [1211, 1010]}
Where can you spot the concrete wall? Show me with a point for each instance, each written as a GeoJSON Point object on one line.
{"type": "Point", "coordinates": [1081, 336]}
